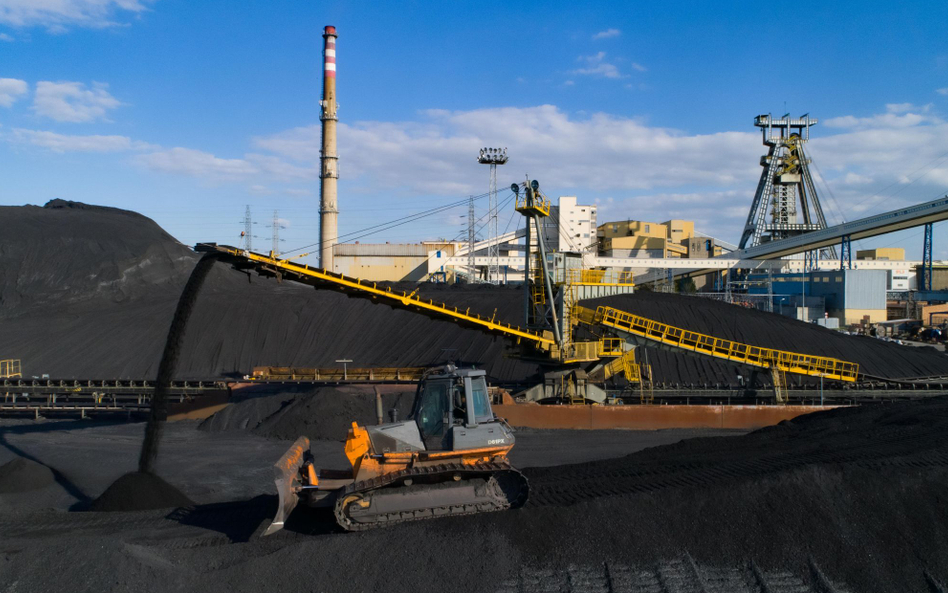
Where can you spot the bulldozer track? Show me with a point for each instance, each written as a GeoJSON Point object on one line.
{"type": "Point", "coordinates": [446, 470]}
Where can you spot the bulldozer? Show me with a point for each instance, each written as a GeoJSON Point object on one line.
{"type": "Point", "coordinates": [449, 457]}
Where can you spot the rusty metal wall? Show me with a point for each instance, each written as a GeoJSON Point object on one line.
{"type": "Point", "coordinates": [649, 417]}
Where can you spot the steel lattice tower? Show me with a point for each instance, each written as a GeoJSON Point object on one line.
{"type": "Point", "coordinates": [493, 157]}
{"type": "Point", "coordinates": [276, 233]}
{"type": "Point", "coordinates": [786, 203]}
{"type": "Point", "coordinates": [472, 272]}
{"type": "Point", "coordinates": [247, 229]}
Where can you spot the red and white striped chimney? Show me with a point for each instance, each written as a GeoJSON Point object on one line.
{"type": "Point", "coordinates": [329, 160]}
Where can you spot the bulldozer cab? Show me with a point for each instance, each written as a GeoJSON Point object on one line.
{"type": "Point", "coordinates": [449, 398]}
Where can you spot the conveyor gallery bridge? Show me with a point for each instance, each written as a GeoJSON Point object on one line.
{"type": "Point", "coordinates": [269, 265]}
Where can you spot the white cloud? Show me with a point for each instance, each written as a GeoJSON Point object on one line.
{"type": "Point", "coordinates": [10, 90]}
{"type": "Point", "coordinates": [648, 172]}
{"type": "Point", "coordinates": [5, 37]}
{"type": "Point", "coordinates": [58, 15]}
{"type": "Point", "coordinates": [897, 115]}
{"type": "Point", "coordinates": [943, 91]}
{"type": "Point", "coordinates": [599, 152]}
{"type": "Point", "coordinates": [607, 34]}
{"type": "Point", "coordinates": [856, 179]}
{"type": "Point", "coordinates": [596, 65]}
{"type": "Point", "coordinates": [73, 102]}
{"type": "Point", "coordinates": [64, 143]}
{"type": "Point", "coordinates": [260, 190]}
{"type": "Point", "coordinates": [639, 67]}
{"type": "Point", "coordinates": [196, 163]}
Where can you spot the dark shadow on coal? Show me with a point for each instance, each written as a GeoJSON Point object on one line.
{"type": "Point", "coordinates": [243, 520]}
{"type": "Point", "coordinates": [68, 485]}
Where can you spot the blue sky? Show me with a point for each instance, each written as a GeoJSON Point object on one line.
{"type": "Point", "coordinates": [188, 111]}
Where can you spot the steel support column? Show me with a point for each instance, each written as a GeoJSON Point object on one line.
{"type": "Point", "coordinates": [845, 254]}
{"type": "Point", "coordinates": [926, 279]}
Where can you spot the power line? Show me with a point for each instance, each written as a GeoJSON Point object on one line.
{"type": "Point", "coordinates": [377, 228]}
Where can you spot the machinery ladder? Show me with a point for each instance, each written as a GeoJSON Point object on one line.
{"type": "Point", "coordinates": [646, 393]}
{"type": "Point", "coordinates": [779, 379]}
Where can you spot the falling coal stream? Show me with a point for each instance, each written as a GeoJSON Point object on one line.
{"type": "Point", "coordinates": [169, 360]}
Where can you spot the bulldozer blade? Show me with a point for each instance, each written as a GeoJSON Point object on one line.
{"type": "Point", "coordinates": [286, 476]}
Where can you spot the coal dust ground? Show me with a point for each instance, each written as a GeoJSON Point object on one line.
{"type": "Point", "coordinates": [851, 499]}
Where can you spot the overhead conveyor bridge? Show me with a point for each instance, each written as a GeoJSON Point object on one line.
{"type": "Point", "coordinates": [269, 265]}
{"type": "Point", "coordinates": [648, 330]}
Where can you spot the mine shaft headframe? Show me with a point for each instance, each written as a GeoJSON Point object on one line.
{"type": "Point", "coordinates": [779, 131]}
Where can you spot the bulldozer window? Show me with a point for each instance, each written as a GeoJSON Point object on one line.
{"type": "Point", "coordinates": [482, 411]}
{"type": "Point", "coordinates": [433, 407]}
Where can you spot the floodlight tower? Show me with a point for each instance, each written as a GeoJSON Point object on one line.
{"type": "Point", "coordinates": [493, 157]}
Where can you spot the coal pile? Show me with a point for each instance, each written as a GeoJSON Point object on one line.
{"type": "Point", "coordinates": [82, 283]}
{"type": "Point", "coordinates": [325, 413]}
{"type": "Point", "coordinates": [24, 475]}
{"type": "Point", "coordinates": [136, 491]}
{"type": "Point", "coordinates": [860, 490]}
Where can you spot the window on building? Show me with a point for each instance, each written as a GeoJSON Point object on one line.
{"type": "Point", "coordinates": [615, 228]}
{"type": "Point", "coordinates": [647, 229]}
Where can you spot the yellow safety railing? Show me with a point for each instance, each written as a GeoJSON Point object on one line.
{"type": "Point", "coordinates": [394, 298]}
{"type": "Point", "coordinates": [624, 364]}
{"type": "Point", "coordinates": [611, 347]}
{"type": "Point", "coordinates": [576, 352]}
{"type": "Point", "coordinates": [791, 362]}
{"type": "Point", "coordinates": [599, 277]}
{"type": "Point", "coordinates": [272, 373]}
{"type": "Point", "coordinates": [10, 368]}
{"type": "Point", "coordinates": [538, 205]}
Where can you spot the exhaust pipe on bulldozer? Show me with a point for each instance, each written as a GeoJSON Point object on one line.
{"type": "Point", "coordinates": [286, 473]}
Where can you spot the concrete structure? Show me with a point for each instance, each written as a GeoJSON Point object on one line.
{"type": "Point", "coordinates": [638, 238]}
{"type": "Point", "coordinates": [852, 295]}
{"type": "Point", "coordinates": [882, 254]}
{"type": "Point", "coordinates": [329, 160]}
{"type": "Point", "coordinates": [575, 226]}
{"type": "Point", "coordinates": [939, 275]}
{"type": "Point", "coordinates": [382, 262]}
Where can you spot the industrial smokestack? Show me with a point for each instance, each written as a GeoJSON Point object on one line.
{"type": "Point", "coordinates": [329, 165]}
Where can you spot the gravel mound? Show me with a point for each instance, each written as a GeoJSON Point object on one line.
{"type": "Point", "coordinates": [325, 413]}
{"type": "Point", "coordinates": [23, 475]}
{"type": "Point", "coordinates": [136, 491]}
